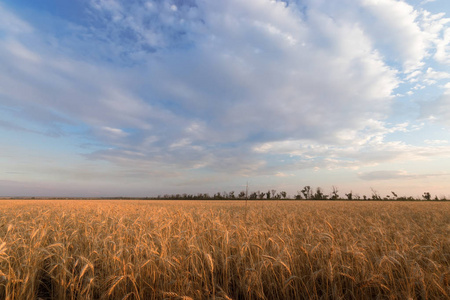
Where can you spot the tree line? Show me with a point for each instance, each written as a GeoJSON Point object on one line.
{"type": "Point", "coordinates": [307, 193]}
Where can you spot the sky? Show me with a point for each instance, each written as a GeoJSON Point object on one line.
{"type": "Point", "coordinates": [142, 98]}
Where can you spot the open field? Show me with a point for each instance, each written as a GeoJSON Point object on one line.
{"type": "Point", "coordinates": [104, 249]}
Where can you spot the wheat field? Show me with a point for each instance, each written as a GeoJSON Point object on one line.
{"type": "Point", "coordinates": [111, 249]}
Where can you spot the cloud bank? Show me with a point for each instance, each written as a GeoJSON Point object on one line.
{"type": "Point", "coordinates": [230, 86]}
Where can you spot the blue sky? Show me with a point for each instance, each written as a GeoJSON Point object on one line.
{"type": "Point", "coordinates": [140, 98]}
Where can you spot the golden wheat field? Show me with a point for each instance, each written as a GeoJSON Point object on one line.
{"type": "Point", "coordinates": [105, 249]}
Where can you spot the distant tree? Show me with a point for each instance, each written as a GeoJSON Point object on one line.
{"type": "Point", "coordinates": [426, 196]}
{"type": "Point", "coordinates": [241, 195]}
{"type": "Point", "coordinates": [253, 195]}
{"type": "Point", "coordinates": [349, 195]}
{"type": "Point", "coordinates": [334, 193]}
{"type": "Point", "coordinates": [268, 194]}
{"type": "Point", "coordinates": [231, 195]}
{"type": "Point", "coordinates": [298, 196]}
{"type": "Point", "coordinates": [319, 194]}
{"type": "Point", "coordinates": [283, 194]}
{"type": "Point", "coordinates": [395, 195]}
{"type": "Point", "coordinates": [261, 195]}
{"type": "Point", "coordinates": [307, 192]}
{"type": "Point", "coordinates": [375, 195]}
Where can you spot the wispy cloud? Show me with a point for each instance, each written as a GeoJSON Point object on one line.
{"type": "Point", "coordinates": [390, 175]}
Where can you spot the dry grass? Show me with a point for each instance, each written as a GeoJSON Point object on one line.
{"type": "Point", "coordinates": [201, 250]}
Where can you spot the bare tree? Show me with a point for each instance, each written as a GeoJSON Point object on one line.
{"type": "Point", "coordinates": [375, 195]}
{"type": "Point", "coordinates": [334, 193]}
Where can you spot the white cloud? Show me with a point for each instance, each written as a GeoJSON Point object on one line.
{"type": "Point", "coordinates": [412, 77]}
{"type": "Point", "coordinates": [397, 30]}
{"type": "Point", "coordinates": [281, 174]}
{"type": "Point", "coordinates": [362, 149]}
{"type": "Point", "coordinates": [181, 143]}
{"type": "Point", "coordinates": [443, 48]}
{"type": "Point", "coordinates": [276, 92]}
{"type": "Point", "coordinates": [436, 75]}
{"type": "Point", "coordinates": [211, 84]}
{"type": "Point", "coordinates": [395, 174]}
{"type": "Point", "coordinates": [114, 132]}
{"type": "Point", "coordinates": [436, 142]}
{"type": "Point", "coordinates": [11, 23]}
{"type": "Point", "coordinates": [437, 110]}
{"type": "Point", "coordinates": [21, 52]}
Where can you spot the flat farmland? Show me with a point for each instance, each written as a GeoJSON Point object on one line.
{"type": "Point", "coordinates": [135, 249]}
